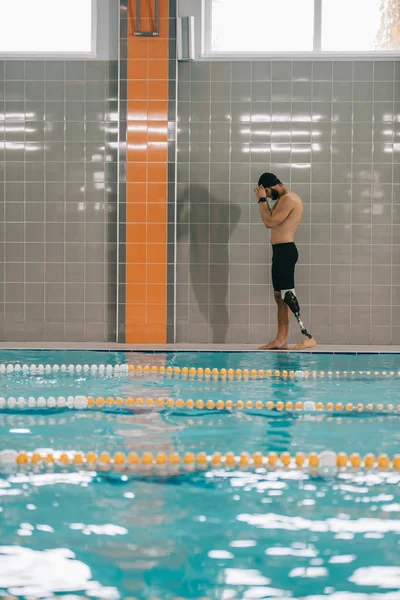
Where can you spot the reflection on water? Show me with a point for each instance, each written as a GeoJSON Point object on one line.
{"type": "Point", "coordinates": [213, 534]}
{"type": "Point", "coordinates": [30, 573]}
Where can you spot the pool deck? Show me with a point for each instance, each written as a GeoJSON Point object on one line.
{"type": "Point", "coordinates": [324, 349]}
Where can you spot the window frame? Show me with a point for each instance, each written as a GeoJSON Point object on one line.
{"type": "Point", "coordinates": [49, 55]}
{"type": "Point", "coordinates": [317, 53]}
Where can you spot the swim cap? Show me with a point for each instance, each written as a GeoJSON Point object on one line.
{"type": "Point", "coordinates": [268, 180]}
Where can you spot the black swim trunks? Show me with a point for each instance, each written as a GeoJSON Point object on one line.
{"type": "Point", "coordinates": [284, 259]}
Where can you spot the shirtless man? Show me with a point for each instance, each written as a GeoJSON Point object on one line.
{"type": "Point", "coordinates": [281, 211]}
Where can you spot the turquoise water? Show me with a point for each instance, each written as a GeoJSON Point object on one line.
{"type": "Point", "coordinates": [213, 534]}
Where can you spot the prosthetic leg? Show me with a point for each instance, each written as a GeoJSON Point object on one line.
{"type": "Point", "coordinates": [289, 297]}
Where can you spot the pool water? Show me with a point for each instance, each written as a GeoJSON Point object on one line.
{"type": "Point", "coordinates": [215, 534]}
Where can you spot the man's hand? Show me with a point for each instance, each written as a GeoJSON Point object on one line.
{"type": "Point", "coordinates": [260, 192]}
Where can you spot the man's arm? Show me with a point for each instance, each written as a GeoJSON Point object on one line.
{"type": "Point", "coordinates": [280, 213]}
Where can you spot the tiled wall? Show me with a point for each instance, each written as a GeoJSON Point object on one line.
{"type": "Point", "coordinates": [58, 200]}
{"type": "Point", "coordinates": [332, 132]}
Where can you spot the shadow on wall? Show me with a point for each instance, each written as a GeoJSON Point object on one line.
{"type": "Point", "coordinates": [210, 226]}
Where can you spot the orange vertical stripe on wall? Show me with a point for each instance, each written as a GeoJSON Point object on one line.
{"type": "Point", "coordinates": [147, 156]}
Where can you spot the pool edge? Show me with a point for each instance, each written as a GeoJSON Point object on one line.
{"type": "Point", "coordinates": [113, 347]}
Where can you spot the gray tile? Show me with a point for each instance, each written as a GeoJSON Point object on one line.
{"type": "Point", "coordinates": [322, 71]}
{"type": "Point", "coordinates": [184, 71]}
{"type": "Point", "coordinates": [95, 70]}
{"type": "Point", "coordinates": [361, 234]}
{"type": "Point", "coordinates": [55, 70]}
{"type": "Point", "coordinates": [15, 90]}
{"type": "Point", "coordinates": [261, 71]}
{"type": "Point", "coordinates": [301, 112]}
{"type": "Point", "coordinates": [55, 111]}
{"type": "Point", "coordinates": [342, 153]}
{"type": "Point", "coordinates": [340, 275]}
{"type": "Point", "coordinates": [35, 292]}
{"type": "Point", "coordinates": [381, 213]}
{"type": "Point", "coordinates": [341, 254]}
{"type": "Point", "coordinates": [34, 313]}
{"type": "Point", "coordinates": [220, 132]}
{"type": "Point", "coordinates": [14, 232]}
{"type": "Point", "coordinates": [219, 153]}
{"type": "Point", "coordinates": [363, 71]}
{"type": "Point", "coordinates": [75, 111]}
{"type": "Point", "coordinates": [241, 71]}
{"type": "Point", "coordinates": [343, 71]}
{"type": "Point", "coordinates": [383, 70]}
{"type": "Point", "coordinates": [362, 153]}
{"type": "Point", "coordinates": [381, 335]}
{"type": "Point", "coordinates": [362, 132]}
{"type": "Point", "coordinates": [14, 272]}
{"type": "Point", "coordinates": [322, 91]}
{"type": "Point", "coordinates": [55, 151]}
{"type": "Point", "coordinates": [14, 312]}
{"type": "Point", "coordinates": [220, 71]}
{"type": "Point", "coordinates": [321, 254]}
{"type": "Point", "coordinates": [300, 173]}
{"type": "Point", "coordinates": [381, 295]}
{"type": "Point", "coordinates": [240, 112]}
{"type": "Point", "coordinates": [341, 315]}
{"type": "Point", "coordinates": [381, 232]}
{"type": "Point", "coordinates": [14, 211]}
{"type": "Point", "coordinates": [320, 174]}
{"type": "Point", "coordinates": [53, 332]}
{"type": "Point", "coordinates": [363, 112]}
{"type": "Point", "coordinates": [321, 111]}
{"type": "Point", "coordinates": [34, 91]}
{"type": "Point", "coordinates": [14, 252]}
{"type": "Point", "coordinates": [240, 172]}
{"type": "Point", "coordinates": [341, 133]}
{"type": "Point", "coordinates": [75, 91]}
{"type": "Point", "coordinates": [34, 252]}
{"type": "Point", "coordinates": [75, 70]}
{"type": "Point", "coordinates": [34, 70]}
{"type": "Point", "coordinates": [184, 92]}
{"type": "Point", "coordinates": [220, 92]}
{"type": "Point", "coordinates": [323, 152]}
{"type": "Point", "coordinates": [383, 112]}
{"type": "Point", "coordinates": [74, 312]}
{"type": "Point", "coordinates": [320, 233]}
{"type": "Point", "coordinates": [14, 69]}
{"type": "Point", "coordinates": [240, 91]}
{"type": "Point", "coordinates": [301, 91]}
{"type": "Point", "coordinates": [363, 90]}
{"type": "Point", "coordinates": [360, 335]}
{"type": "Point", "coordinates": [384, 91]}
{"type": "Point", "coordinates": [281, 71]}
{"type": "Point", "coordinates": [359, 255]}
{"type": "Point", "coordinates": [281, 91]}
{"type": "Point", "coordinates": [301, 71]}
{"type": "Point", "coordinates": [54, 131]}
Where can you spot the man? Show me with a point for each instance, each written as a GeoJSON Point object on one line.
{"type": "Point", "coordinates": [281, 211]}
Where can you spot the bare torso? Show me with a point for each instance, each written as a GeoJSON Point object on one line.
{"type": "Point", "coordinates": [285, 232]}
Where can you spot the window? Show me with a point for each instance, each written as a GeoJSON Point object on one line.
{"type": "Point", "coordinates": [44, 27]}
{"type": "Point", "coordinates": [305, 27]}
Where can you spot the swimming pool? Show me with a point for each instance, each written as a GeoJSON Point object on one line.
{"type": "Point", "coordinates": [200, 532]}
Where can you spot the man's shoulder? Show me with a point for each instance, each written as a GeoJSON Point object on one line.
{"type": "Point", "coordinates": [293, 198]}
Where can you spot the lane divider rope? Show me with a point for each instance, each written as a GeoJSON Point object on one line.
{"type": "Point", "coordinates": [134, 461]}
{"type": "Point", "coordinates": [138, 370]}
{"type": "Point", "coordinates": [89, 402]}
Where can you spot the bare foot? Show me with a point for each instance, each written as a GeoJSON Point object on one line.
{"type": "Point", "coordinates": [275, 345]}
{"type": "Point", "coordinates": [304, 344]}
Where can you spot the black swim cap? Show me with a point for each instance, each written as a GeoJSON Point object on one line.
{"type": "Point", "coordinates": [268, 180]}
